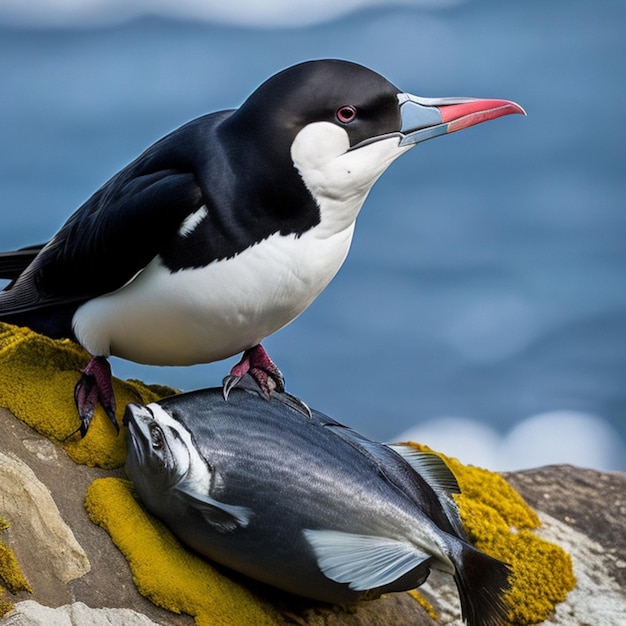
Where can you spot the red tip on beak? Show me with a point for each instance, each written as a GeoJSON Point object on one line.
{"type": "Point", "coordinates": [466, 114]}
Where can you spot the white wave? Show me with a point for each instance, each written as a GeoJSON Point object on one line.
{"type": "Point", "coordinates": [255, 13]}
{"type": "Point", "coordinates": [555, 437]}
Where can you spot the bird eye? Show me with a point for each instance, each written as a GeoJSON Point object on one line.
{"type": "Point", "coordinates": [346, 113]}
{"type": "Point", "coordinates": [156, 437]}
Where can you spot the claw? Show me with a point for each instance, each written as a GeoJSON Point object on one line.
{"type": "Point", "coordinates": [228, 383]}
{"type": "Point", "coordinates": [85, 397]}
{"type": "Point", "coordinates": [95, 386]}
{"type": "Point", "coordinates": [295, 403]}
{"type": "Point", "coordinates": [256, 362]}
{"type": "Point", "coordinates": [249, 383]}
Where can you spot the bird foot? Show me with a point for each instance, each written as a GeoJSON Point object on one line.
{"type": "Point", "coordinates": [256, 362]}
{"type": "Point", "coordinates": [248, 374]}
{"type": "Point", "coordinates": [95, 385]}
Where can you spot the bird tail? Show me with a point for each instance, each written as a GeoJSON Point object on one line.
{"type": "Point", "coordinates": [13, 263]}
{"type": "Point", "coordinates": [482, 582]}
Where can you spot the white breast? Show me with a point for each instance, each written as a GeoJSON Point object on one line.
{"type": "Point", "coordinates": [210, 313]}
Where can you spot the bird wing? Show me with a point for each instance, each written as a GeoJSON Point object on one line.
{"type": "Point", "coordinates": [130, 220]}
{"type": "Point", "coordinates": [107, 241]}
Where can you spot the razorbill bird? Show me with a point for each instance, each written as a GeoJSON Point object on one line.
{"type": "Point", "coordinates": [225, 230]}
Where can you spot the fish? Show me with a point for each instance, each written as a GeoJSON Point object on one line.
{"type": "Point", "coordinates": [297, 500]}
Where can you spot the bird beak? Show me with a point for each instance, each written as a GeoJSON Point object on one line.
{"type": "Point", "coordinates": [425, 118]}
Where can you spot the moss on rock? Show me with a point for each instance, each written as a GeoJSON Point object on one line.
{"type": "Point", "coordinates": [37, 379]}
{"type": "Point", "coordinates": [10, 573]}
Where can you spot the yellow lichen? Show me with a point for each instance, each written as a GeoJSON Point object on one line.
{"type": "Point", "coordinates": [10, 573]}
{"type": "Point", "coordinates": [424, 603]}
{"type": "Point", "coordinates": [5, 607]}
{"type": "Point", "coordinates": [164, 571]}
{"type": "Point", "coordinates": [37, 379]}
{"type": "Point", "coordinates": [499, 522]}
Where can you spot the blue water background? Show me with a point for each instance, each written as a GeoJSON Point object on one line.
{"type": "Point", "coordinates": [487, 275]}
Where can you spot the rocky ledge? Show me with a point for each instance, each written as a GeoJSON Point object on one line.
{"type": "Point", "coordinates": [77, 576]}
{"type": "Point", "coordinates": [77, 549]}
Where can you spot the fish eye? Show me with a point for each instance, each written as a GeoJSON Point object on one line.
{"type": "Point", "coordinates": [156, 437]}
{"type": "Point", "coordinates": [346, 113]}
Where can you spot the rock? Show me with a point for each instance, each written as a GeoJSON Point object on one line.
{"type": "Point", "coordinates": [109, 583]}
{"type": "Point", "coordinates": [50, 482]}
{"type": "Point", "coordinates": [589, 502]}
{"type": "Point", "coordinates": [105, 580]}
{"type": "Point", "coordinates": [581, 510]}
{"type": "Point", "coordinates": [584, 511]}
{"type": "Point", "coordinates": [29, 505]}
{"type": "Point", "coordinates": [31, 613]}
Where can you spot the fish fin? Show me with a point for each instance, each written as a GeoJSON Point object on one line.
{"type": "Point", "coordinates": [363, 561]}
{"type": "Point", "coordinates": [430, 466]}
{"type": "Point", "coordinates": [433, 469]}
{"type": "Point", "coordinates": [482, 582]}
{"type": "Point", "coordinates": [225, 517]}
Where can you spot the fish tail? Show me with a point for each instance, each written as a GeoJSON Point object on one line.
{"type": "Point", "coordinates": [482, 582]}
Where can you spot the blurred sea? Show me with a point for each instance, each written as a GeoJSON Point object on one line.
{"type": "Point", "coordinates": [484, 298]}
